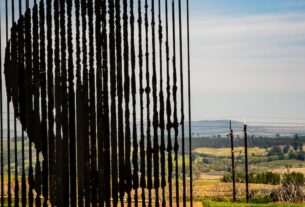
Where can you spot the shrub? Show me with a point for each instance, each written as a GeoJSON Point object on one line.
{"type": "Point", "coordinates": [264, 178]}
{"type": "Point", "coordinates": [286, 148]}
{"type": "Point", "coordinates": [276, 150]}
{"type": "Point", "coordinates": [261, 199]}
{"type": "Point", "coordinates": [272, 158]}
{"type": "Point", "coordinates": [267, 178]}
{"type": "Point", "coordinates": [294, 177]}
{"type": "Point", "coordinates": [292, 154]}
{"type": "Point", "coordinates": [291, 188]}
{"type": "Point", "coordinates": [301, 156]}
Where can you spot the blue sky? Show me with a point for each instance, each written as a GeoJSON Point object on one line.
{"type": "Point", "coordinates": [248, 59]}
{"type": "Point", "coordinates": [246, 7]}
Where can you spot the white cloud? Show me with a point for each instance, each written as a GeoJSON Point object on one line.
{"type": "Point", "coordinates": [261, 54]}
{"type": "Point", "coordinates": [247, 26]}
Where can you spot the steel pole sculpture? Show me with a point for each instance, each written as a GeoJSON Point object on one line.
{"type": "Point", "coordinates": [95, 90]}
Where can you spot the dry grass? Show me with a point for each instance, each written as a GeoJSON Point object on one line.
{"type": "Point", "coordinates": [203, 188]}
{"type": "Point", "coordinates": [283, 170]}
{"type": "Point", "coordinates": [280, 164]}
{"type": "Point", "coordinates": [208, 177]}
{"type": "Point", "coordinates": [226, 152]}
{"type": "Point", "coordinates": [195, 204]}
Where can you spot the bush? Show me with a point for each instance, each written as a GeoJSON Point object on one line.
{"type": "Point", "coordinates": [276, 150]}
{"type": "Point", "coordinates": [239, 177]}
{"type": "Point", "coordinates": [301, 156]}
{"type": "Point", "coordinates": [294, 177]}
{"type": "Point", "coordinates": [292, 154]}
{"type": "Point", "coordinates": [273, 157]}
{"type": "Point", "coordinates": [286, 148]}
{"type": "Point", "coordinates": [264, 178]}
{"type": "Point", "coordinates": [291, 189]}
{"type": "Point", "coordinates": [261, 199]}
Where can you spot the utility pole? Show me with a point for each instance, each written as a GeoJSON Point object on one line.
{"type": "Point", "coordinates": [233, 162]}
{"type": "Point", "coordinates": [246, 161]}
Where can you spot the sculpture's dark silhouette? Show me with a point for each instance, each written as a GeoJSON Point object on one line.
{"type": "Point", "coordinates": [95, 85]}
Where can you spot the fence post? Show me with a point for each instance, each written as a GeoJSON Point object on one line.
{"type": "Point", "coordinates": [233, 163]}
{"type": "Point", "coordinates": [246, 162]}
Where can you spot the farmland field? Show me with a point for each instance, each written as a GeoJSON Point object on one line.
{"type": "Point", "coordinates": [211, 164]}
{"type": "Point", "coordinates": [214, 188]}
{"type": "Point", "coordinates": [281, 170]}
{"type": "Point", "coordinates": [281, 164]}
{"type": "Point", "coordinates": [229, 204]}
{"type": "Point", "coordinates": [226, 152]}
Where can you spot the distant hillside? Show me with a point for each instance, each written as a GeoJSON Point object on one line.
{"type": "Point", "coordinates": [210, 128]}
{"type": "Point", "coordinates": [216, 128]}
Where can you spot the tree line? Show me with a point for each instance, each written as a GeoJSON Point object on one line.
{"type": "Point", "coordinates": [253, 141]}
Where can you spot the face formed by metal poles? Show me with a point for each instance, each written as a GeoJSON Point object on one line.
{"type": "Point", "coordinates": [96, 91]}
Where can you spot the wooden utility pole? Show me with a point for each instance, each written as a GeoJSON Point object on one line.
{"type": "Point", "coordinates": [246, 162]}
{"type": "Point", "coordinates": [233, 162]}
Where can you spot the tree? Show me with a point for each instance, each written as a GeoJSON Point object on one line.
{"type": "Point", "coordinates": [292, 154]}
{"type": "Point", "coordinates": [276, 150]}
{"type": "Point", "coordinates": [295, 144]}
{"type": "Point", "coordinates": [300, 147]}
{"type": "Point", "coordinates": [301, 156]}
{"type": "Point", "coordinates": [286, 148]}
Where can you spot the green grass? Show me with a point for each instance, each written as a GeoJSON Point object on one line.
{"type": "Point", "coordinates": [230, 204]}
{"type": "Point", "coordinates": [187, 163]}
{"type": "Point", "coordinates": [280, 164]}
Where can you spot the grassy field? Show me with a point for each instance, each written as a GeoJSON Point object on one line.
{"type": "Point", "coordinates": [216, 162]}
{"type": "Point", "coordinates": [229, 204]}
{"type": "Point", "coordinates": [215, 188]}
{"type": "Point", "coordinates": [213, 163]}
{"type": "Point", "coordinates": [280, 164]}
{"type": "Point", "coordinates": [226, 152]}
{"type": "Point", "coordinates": [298, 170]}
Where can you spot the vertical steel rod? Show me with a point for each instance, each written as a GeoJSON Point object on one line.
{"type": "Point", "coordinates": [182, 105]}
{"type": "Point", "coordinates": [8, 139]}
{"type": "Point", "coordinates": [189, 100]}
{"type": "Point", "coordinates": [168, 110]}
{"type": "Point", "coordinates": [1, 115]}
{"type": "Point", "coordinates": [246, 162]}
{"type": "Point", "coordinates": [175, 123]}
{"type": "Point", "coordinates": [141, 91]}
{"type": "Point", "coordinates": [72, 136]}
{"type": "Point", "coordinates": [161, 102]}
{"type": "Point", "coordinates": [233, 161]}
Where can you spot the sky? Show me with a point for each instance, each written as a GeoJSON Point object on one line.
{"type": "Point", "coordinates": [248, 59]}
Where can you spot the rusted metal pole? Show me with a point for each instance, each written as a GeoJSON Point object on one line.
{"type": "Point", "coordinates": [233, 161]}
{"type": "Point", "coordinates": [246, 162]}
